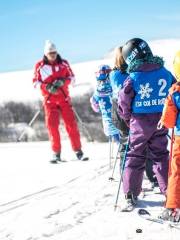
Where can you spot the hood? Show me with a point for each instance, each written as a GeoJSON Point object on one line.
{"type": "Point", "coordinates": [147, 64]}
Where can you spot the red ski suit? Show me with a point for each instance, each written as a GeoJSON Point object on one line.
{"type": "Point", "coordinates": [58, 104]}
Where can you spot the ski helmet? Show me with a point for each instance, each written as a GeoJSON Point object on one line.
{"type": "Point", "coordinates": [176, 65]}
{"type": "Point", "coordinates": [103, 72]}
{"type": "Point", "coordinates": [134, 49]}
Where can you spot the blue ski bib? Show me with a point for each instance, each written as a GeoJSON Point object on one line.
{"type": "Point", "coordinates": [151, 88]}
{"type": "Point", "coordinates": [117, 79]}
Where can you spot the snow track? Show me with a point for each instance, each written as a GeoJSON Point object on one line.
{"type": "Point", "coordinates": [68, 201]}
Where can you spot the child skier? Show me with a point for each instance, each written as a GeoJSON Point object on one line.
{"type": "Point", "coordinates": [119, 73]}
{"type": "Point", "coordinates": [140, 104]}
{"type": "Point", "coordinates": [101, 101]}
{"type": "Point", "coordinates": [117, 77]}
{"type": "Point", "coordinates": [171, 119]}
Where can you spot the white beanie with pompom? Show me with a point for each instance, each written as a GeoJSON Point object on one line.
{"type": "Point", "coordinates": [49, 47]}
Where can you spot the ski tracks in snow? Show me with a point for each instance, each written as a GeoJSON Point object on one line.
{"type": "Point", "coordinates": [79, 206]}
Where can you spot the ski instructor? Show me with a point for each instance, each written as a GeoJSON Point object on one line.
{"type": "Point", "coordinates": [53, 76]}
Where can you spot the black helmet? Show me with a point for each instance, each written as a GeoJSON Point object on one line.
{"type": "Point", "coordinates": [135, 48]}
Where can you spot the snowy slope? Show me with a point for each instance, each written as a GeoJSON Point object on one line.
{"type": "Point", "coordinates": [73, 200]}
{"type": "Point", "coordinates": [69, 201]}
{"type": "Point", "coordinates": [17, 86]}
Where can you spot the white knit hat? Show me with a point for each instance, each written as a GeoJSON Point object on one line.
{"type": "Point", "coordinates": [49, 47]}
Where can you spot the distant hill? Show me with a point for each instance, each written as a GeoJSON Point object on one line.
{"type": "Point", "coordinates": [17, 86]}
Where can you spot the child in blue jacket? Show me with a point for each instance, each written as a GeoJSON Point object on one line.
{"type": "Point", "coordinates": [101, 101]}
{"type": "Point", "coordinates": [117, 77]}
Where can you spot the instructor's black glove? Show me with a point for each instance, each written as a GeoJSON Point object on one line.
{"type": "Point", "coordinates": [53, 87]}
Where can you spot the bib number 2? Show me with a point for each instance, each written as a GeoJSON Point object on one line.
{"type": "Point", "coordinates": [162, 83]}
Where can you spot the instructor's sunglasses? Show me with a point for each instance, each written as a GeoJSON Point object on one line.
{"type": "Point", "coordinates": [53, 53]}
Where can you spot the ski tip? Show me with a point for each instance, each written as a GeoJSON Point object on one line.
{"type": "Point", "coordinates": [85, 159]}
{"type": "Point", "coordinates": [143, 211]}
{"type": "Point", "coordinates": [111, 179]}
{"type": "Point", "coordinates": [139, 230]}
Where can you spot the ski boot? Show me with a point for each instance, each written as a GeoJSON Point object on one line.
{"type": "Point", "coordinates": [80, 156]}
{"type": "Point", "coordinates": [170, 214]}
{"type": "Point", "coordinates": [56, 158]}
{"type": "Point", "coordinates": [131, 202]}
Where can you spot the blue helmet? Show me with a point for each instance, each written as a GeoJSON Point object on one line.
{"type": "Point", "coordinates": [103, 72]}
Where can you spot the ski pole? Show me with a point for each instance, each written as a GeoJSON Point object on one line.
{"type": "Point", "coordinates": [115, 163]}
{"type": "Point", "coordinates": [121, 174]}
{"type": "Point", "coordinates": [83, 125]}
{"type": "Point", "coordinates": [110, 151]}
{"type": "Point", "coordinates": [169, 136]}
{"type": "Point", "coordinates": [79, 119]}
{"type": "Point", "coordinates": [171, 151]}
{"type": "Point", "coordinates": [31, 122]}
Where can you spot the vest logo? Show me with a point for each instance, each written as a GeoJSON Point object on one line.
{"type": "Point", "coordinates": [145, 91]}
{"type": "Point", "coordinates": [45, 72]}
{"type": "Point", "coordinates": [149, 103]}
{"type": "Point", "coordinates": [102, 103]}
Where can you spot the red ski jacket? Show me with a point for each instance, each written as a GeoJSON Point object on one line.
{"type": "Point", "coordinates": [48, 73]}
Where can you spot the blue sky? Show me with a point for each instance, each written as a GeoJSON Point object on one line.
{"type": "Point", "coordinates": [82, 30]}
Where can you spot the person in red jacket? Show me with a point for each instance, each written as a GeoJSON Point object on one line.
{"type": "Point", "coordinates": [53, 76]}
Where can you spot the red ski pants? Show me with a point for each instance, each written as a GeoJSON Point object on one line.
{"type": "Point", "coordinates": [53, 111]}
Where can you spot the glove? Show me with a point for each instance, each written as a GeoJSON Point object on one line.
{"type": "Point", "coordinates": [53, 87]}
{"type": "Point", "coordinates": [116, 138]}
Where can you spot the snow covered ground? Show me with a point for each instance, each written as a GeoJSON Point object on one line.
{"type": "Point", "coordinates": [69, 201]}
{"type": "Point", "coordinates": [73, 200]}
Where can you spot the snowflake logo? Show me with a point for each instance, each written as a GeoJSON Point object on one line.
{"type": "Point", "coordinates": [145, 91]}
{"type": "Point", "coordinates": [102, 103]}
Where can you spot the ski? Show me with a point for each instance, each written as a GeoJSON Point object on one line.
{"type": "Point", "coordinates": [85, 159]}
{"type": "Point", "coordinates": [57, 161]}
{"type": "Point", "coordinates": [143, 213]}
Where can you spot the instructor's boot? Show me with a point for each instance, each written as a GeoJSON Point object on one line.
{"type": "Point", "coordinates": [56, 158]}
{"type": "Point", "coordinates": [80, 156]}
